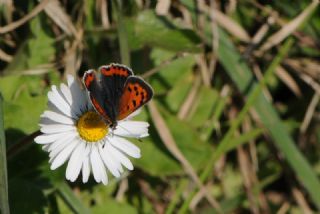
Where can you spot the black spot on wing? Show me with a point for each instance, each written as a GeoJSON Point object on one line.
{"type": "Point", "coordinates": [149, 92]}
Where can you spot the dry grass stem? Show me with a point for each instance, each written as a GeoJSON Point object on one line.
{"type": "Point", "coordinates": [162, 7]}
{"type": "Point", "coordinates": [26, 18]}
{"type": "Point", "coordinates": [123, 187]}
{"type": "Point", "coordinates": [4, 56]}
{"type": "Point", "coordinates": [227, 23]}
{"type": "Point", "coordinates": [103, 8]}
{"type": "Point", "coordinates": [188, 102]}
{"type": "Point", "coordinates": [301, 201]}
{"type": "Point", "coordinates": [289, 28]}
{"type": "Point", "coordinates": [310, 81]}
{"type": "Point", "coordinates": [215, 39]}
{"type": "Point", "coordinates": [198, 197]}
{"type": "Point", "coordinates": [148, 192]}
{"type": "Point", "coordinates": [309, 113]}
{"type": "Point", "coordinates": [204, 70]}
{"type": "Point", "coordinates": [284, 208]}
{"type": "Point", "coordinates": [308, 66]}
{"type": "Point", "coordinates": [287, 79]}
{"type": "Point", "coordinates": [57, 13]}
{"type": "Point", "coordinates": [247, 174]}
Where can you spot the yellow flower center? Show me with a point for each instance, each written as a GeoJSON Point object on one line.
{"type": "Point", "coordinates": [91, 127]}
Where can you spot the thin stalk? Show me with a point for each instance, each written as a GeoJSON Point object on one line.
{"type": "Point", "coordinates": [122, 33]}
{"type": "Point", "coordinates": [4, 200]}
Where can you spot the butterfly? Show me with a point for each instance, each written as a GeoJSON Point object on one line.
{"type": "Point", "coordinates": [117, 93]}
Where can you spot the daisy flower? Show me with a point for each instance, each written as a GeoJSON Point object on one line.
{"type": "Point", "coordinates": [73, 132]}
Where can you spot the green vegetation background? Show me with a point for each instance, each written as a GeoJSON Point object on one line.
{"type": "Point", "coordinates": [234, 121]}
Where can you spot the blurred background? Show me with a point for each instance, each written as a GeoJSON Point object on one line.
{"type": "Point", "coordinates": [234, 120]}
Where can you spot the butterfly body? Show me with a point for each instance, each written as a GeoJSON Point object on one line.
{"type": "Point", "coordinates": [117, 93]}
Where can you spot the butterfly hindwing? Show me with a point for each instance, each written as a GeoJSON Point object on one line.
{"type": "Point", "coordinates": [136, 93]}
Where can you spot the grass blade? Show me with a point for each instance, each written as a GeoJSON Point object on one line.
{"type": "Point", "coordinates": [70, 199]}
{"type": "Point", "coordinates": [122, 33]}
{"type": "Point", "coordinates": [242, 139]}
{"type": "Point", "coordinates": [4, 202]}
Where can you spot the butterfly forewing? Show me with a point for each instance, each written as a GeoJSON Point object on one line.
{"type": "Point", "coordinates": [113, 78]}
{"type": "Point", "coordinates": [136, 93]}
{"type": "Point", "coordinates": [95, 94]}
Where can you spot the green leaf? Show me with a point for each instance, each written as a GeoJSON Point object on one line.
{"type": "Point", "coordinates": [244, 138]}
{"type": "Point", "coordinates": [179, 92]}
{"type": "Point", "coordinates": [21, 92]}
{"type": "Point", "coordinates": [203, 106]}
{"type": "Point", "coordinates": [208, 127]}
{"type": "Point", "coordinates": [4, 202]}
{"type": "Point", "coordinates": [160, 32]}
{"type": "Point", "coordinates": [163, 163]}
{"type": "Point", "coordinates": [173, 72]}
{"type": "Point", "coordinates": [26, 197]}
{"type": "Point", "coordinates": [111, 206]}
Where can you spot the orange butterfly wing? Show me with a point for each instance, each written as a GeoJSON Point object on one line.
{"type": "Point", "coordinates": [90, 82]}
{"type": "Point", "coordinates": [135, 94]}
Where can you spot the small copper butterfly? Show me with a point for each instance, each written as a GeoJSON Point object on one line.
{"type": "Point", "coordinates": [117, 93]}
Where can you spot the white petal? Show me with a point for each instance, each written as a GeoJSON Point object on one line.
{"type": "Point", "coordinates": [56, 147]}
{"type": "Point", "coordinates": [75, 162]}
{"type": "Point", "coordinates": [137, 129]}
{"type": "Point", "coordinates": [68, 136]}
{"type": "Point", "coordinates": [89, 105]}
{"type": "Point", "coordinates": [75, 110]}
{"type": "Point", "coordinates": [66, 93]}
{"type": "Point", "coordinates": [54, 108]}
{"type": "Point", "coordinates": [85, 168]}
{"type": "Point", "coordinates": [70, 79]}
{"type": "Point", "coordinates": [120, 157]}
{"type": "Point", "coordinates": [79, 97]}
{"type": "Point", "coordinates": [98, 169]}
{"type": "Point", "coordinates": [49, 138]}
{"type": "Point", "coordinates": [56, 128]}
{"type": "Point", "coordinates": [125, 146]}
{"type": "Point", "coordinates": [59, 102]}
{"type": "Point", "coordinates": [46, 147]}
{"type": "Point", "coordinates": [59, 93]}
{"type": "Point", "coordinates": [110, 164]}
{"type": "Point", "coordinates": [59, 118]}
{"type": "Point", "coordinates": [112, 157]}
{"type": "Point", "coordinates": [45, 121]}
{"type": "Point", "coordinates": [64, 155]}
